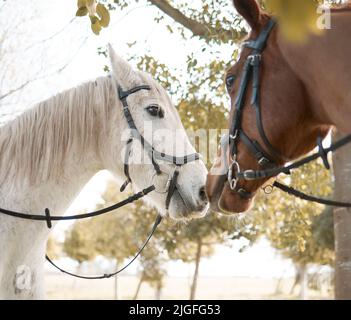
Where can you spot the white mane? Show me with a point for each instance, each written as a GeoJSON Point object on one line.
{"type": "Point", "coordinates": [35, 144]}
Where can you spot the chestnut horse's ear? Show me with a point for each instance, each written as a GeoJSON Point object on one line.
{"type": "Point", "coordinates": [250, 11]}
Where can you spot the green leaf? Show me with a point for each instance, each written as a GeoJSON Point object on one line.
{"type": "Point", "coordinates": [81, 3]}
{"type": "Point", "coordinates": [104, 15]}
{"type": "Point", "coordinates": [81, 12]}
{"type": "Point", "coordinates": [95, 25]}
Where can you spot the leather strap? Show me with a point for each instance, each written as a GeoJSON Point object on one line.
{"type": "Point", "coordinates": [44, 217]}
{"type": "Point", "coordinates": [260, 43]}
{"type": "Point", "coordinates": [262, 174]}
{"type": "Point", "coordinates": [172, 187]}
{"type": "Point", "coordinates": [304, 196]}
{"type": "Point", "coordinates": [109, 275]}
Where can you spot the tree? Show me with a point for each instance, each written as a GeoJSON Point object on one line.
{"type": "Point", "coordinates": [79, 242]}
{"type": "Point", "coordinates": [295, 25]}
{"type": "Point", "coordinates": [300, 230]}
{"type": "Point", "coordinates": [117, 236]}
{"type": "Point", "coordinates": [53, 249]}
{"type": "Point", "coordinates": [152, 270]}
{"type": "Point", "coordinates": [342, 223]}
{"type": "Point", "coordinates": [27, 58]}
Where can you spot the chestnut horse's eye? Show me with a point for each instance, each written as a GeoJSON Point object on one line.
{"type": "Point", "coordinates": [155, 110]}
{"type": "Point", "coordinates": [229, 81]}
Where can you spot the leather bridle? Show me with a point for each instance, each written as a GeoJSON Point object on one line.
{"type": "Point", "coordinates": [154, 155]}
{"type": "Point", "coordinates": [268, 167]}
{"type": "Point", "coordinates": [251, 70]}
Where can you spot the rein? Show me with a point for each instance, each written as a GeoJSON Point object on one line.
{"type": "Point", "coordinates": [269, 168]}
{"type": "Point", "coordinates": [170, 188]}
{"type": "Point", "coordinates": [109, 275]}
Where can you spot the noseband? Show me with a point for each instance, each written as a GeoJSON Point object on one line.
{"type": "Point", "coordinates": [236, 133]}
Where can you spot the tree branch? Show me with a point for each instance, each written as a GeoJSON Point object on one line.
{"type": "Point", "coordinates": [59, 70]}
{"type": "Point", "coordinates": [198, 29]}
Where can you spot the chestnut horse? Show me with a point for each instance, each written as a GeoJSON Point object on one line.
{"type": "Point", "coordinates": [304, 90]}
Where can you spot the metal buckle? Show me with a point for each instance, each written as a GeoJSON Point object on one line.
{"type": "Point", "coordinates": [233, 181]}
{"type": "Point", "coordinates": [263, 161]}
{"type": "Point", "coordinates": [170, 175]}
{"type": "Point", "coordinates": [254, 59]}
{"type": "Point", "coordinates": [249, 175]}
{"type": "Point", "coordinates": [234, 136]}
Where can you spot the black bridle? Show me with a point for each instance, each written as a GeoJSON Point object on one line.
{"type": "Point", "coordinates": [236, 133]}
{"type": "Point", "coordinates": [153, 154]}
{"type": "Point", "coordinates": [170, 188]}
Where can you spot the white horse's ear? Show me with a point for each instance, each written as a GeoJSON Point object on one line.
{"type": "Point", "coordinates": [121, 69]}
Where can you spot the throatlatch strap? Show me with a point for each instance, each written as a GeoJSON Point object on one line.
{"type": "Point", "coordinates": [255, 149]}
{"type": "Point", "coordinates": [126, 164]}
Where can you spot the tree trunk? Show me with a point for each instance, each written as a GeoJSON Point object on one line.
{"type": "Point", "coordinates": [342, 222]}
{"type": "Point", "coordinates": [116, 282]}
{"type": "Point", "coordinates": [303, 282]}
{"type": "Point", "coordinates": [78, 271]}
{"type": "Point", "coordinates": [296, 280]}
{"type": "Point", "coordinates": [278, 288]}
{"type": "Point", "coordinates": [138, 287]}
{"type": "Point", "coordinates": [158, 291]}
{"type": "Point", "coordinates": [196, 273]}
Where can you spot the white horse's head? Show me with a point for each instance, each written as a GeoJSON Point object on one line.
{"type": "Point", "coordinates": [158, 121]}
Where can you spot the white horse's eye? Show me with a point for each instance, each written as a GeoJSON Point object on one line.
{"type": "Point", "coordinates": [155, 110]}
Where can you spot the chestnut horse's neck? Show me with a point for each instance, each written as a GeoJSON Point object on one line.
{"type": "Point", "coordinates": [324, 66]}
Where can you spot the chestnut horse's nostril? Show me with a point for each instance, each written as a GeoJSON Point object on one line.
{"type": "Point", "coordinates": [202, 194]}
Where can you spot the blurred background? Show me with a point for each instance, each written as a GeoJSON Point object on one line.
{"type": "Point", "coordinates": [282, 249]}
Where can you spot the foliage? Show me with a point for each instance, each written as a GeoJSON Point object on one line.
{"type": "Point", "coordinates": [323, 229]}
{"type": "Point", "coordinates": [53, 248]}
{"type": "Point", "coordinates": [79, 242]}
{"type": "Point", "coordinates": [98, 14]}
{"type": "Point", "coordinates": [212, 20]}
{"type": "Point", "coordinates": [292, 225]}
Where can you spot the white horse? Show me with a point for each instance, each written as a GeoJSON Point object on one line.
{"type": "Point", "coordinates": [51, 151]}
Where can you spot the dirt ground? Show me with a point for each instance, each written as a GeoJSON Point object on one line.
{"type": "Point", "coordinates": [64, 287]}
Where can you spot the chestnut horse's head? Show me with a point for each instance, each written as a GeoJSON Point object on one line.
{"type": "Point", "coordinates": [270, 120]}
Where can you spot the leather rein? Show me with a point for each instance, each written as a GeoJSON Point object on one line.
{"type": "Point", "coordinates": [170, 188]}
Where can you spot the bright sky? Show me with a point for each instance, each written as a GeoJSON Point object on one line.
{"type": "Point", "coordinates": [132, 25]}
